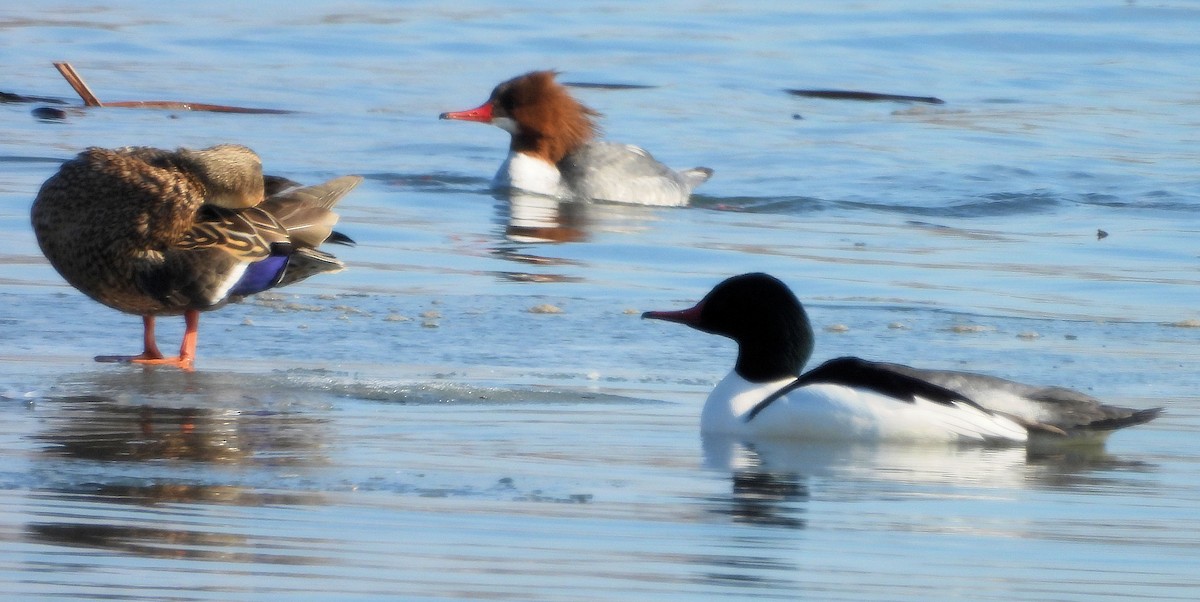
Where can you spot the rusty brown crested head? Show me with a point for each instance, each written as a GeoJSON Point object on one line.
{"type": "Point", "coordinates": [544, 119]}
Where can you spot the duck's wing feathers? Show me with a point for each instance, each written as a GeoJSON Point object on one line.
{"type": "Point", "coordinates": [609, 171]}
{"type": "Point", "coordinates": [881, 378]}
{"type": "Point", "coordinates": [306, 213]}
{"type": "Point", "coordinates": [938, 404]}
{"type": "Point", "coordinates": [873, 376]}
{"type": "Point", "coordinates": [906, 384]}
{"type": "Point", "coordinates": [273, 185]}
{"type": "Point", "coordinates": [1066, 409]}
{"type": "Point", "coordinates": [246, 234]}
{"type": "Point", "coordinates": [300, 216]}
{"type": "Point", "coordinates": [324, 195]}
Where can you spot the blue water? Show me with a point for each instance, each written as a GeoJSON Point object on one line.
{"type": "Point", "coordinates": [418, 427]}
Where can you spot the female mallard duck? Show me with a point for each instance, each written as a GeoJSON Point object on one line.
{"type": "Point", "coordinates": [156, 232]}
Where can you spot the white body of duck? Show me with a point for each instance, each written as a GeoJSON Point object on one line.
{"type": "Point", "coordinates": [833, 412]}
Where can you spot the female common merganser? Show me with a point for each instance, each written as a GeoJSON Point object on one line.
{"type": "Point", "coordinates": [553, 151]}
{"type": "Point", "coordinates": [852, 399]}
{"type": "Point", "coordinates": [156, 232]}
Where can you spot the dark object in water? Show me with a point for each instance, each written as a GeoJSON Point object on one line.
{"type": "Point", "coordinates": [10, 97]}
{"type": "Point", "coordinates": [1101, 235]}
{"type": "Point", "coordinates": [49, 114]}
{"type": "Point", "coordinates": [90, 100]}
{"type": "Point", "coordinates": [599, 86]}
{"type": "Point", "coordinates": [864, 96]}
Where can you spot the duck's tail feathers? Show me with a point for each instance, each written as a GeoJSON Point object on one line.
{"type": "Point", "coordinates": [306, 262]}
{"type": "Point", "coordinates": [326, 194]}
{"type": "Point", "coordinates": [696, 176]}
{"type": "Point", "coordinates": [1133, 418]}
{"type": "Point", "coordinates": [306, 212]}
{"type": "Point", "coordinates": [337, 238]}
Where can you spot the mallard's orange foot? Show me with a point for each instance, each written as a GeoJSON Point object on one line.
{"type": "Point", "coordinates": [183, 363]}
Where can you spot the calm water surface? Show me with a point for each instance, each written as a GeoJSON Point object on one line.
{"type": "Point", "coordinates": [419, 427]}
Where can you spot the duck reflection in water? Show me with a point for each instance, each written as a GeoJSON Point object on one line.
{"type": "Point", "coordinates": [536, 218]}
{"type": "Point", "coordinates": [206, 417]}
{"type": "Point", "coordinates": [104, 455]}
{"type": "Point", "coordinates": [766, 498]}
{"type": "Point", "coordinates": [770, 477]}
{"type": "Point", "coordinates": [155, 542]}
{"type": "Point", "coordinates": [99, 428]}
{"type": "Point", "coordinates": [526, 220]}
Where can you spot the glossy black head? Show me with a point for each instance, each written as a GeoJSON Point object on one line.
{"type": "Point", "coordinates": [761, 314]}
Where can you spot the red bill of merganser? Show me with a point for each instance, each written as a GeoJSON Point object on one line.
{"type": "Point", "coordinates": [554, 151]}
{"type": "Point", "coordinates": [851, 399]}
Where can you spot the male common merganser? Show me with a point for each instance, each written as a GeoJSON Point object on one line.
{"type": "Point", "coordinates": [156, 232]}
{"type": "Point", "coordinates": [553, 151]}
{"type": "Point", "coordinates": [851, 399]}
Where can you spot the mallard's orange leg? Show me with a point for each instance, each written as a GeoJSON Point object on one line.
{"type": "Point", "coordinates": [187, 351]}
{"type": "Point", "coordinates": [150, 348]}
{"type": "Point", "coordinates": [148, 343]}
{"type": "Point", "coordinates": [151, 356]}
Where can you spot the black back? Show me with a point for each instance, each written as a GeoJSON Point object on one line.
{"type": "Point", "coordinates": [874, 376]}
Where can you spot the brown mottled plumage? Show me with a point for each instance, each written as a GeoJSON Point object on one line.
{"type": "Point", "coordinates": [156, 232]}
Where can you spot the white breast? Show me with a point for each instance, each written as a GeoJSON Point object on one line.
{"type": "Point", "coordinates": [530, 174]}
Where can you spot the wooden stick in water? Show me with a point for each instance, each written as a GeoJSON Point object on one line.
{"type": "Point", "coordinates": [68, 73]}
{"type": "Point", "coordinates": [172, 105]}
{"type": "Point", "coordinates": [90, 100]}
